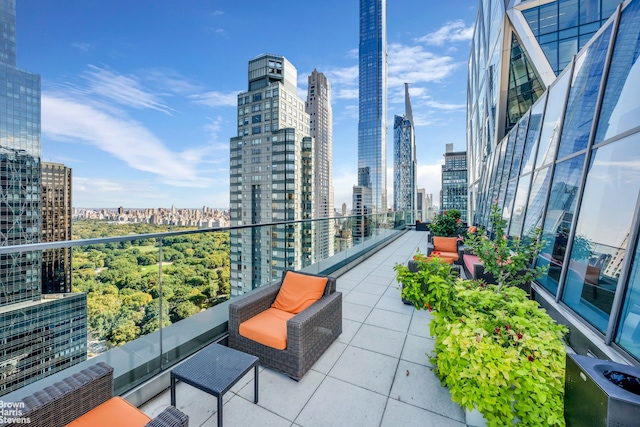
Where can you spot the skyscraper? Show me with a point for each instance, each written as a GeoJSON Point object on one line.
{"type": "Point", "coordinates": [454, 181]}
{"type": "Point", "coordinates": [372, 124]}
{"type": "Point", "coordinates": [56, 227]}
{"type": "Point", "coordinates": [271, 176]}
{"type": "Point", "coordinates": [318, 107]}
{"type": "Point", "coordinates": [553, 138]}
{"type": "Point", "coordinates": [404, 159]}
{"type": "Point", "coordinates": [40, 336]}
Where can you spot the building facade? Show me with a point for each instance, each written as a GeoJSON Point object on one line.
{"type": "Point", "coordinates": [372, 101]}
{"type": "Point", "coordinates": [454, 181]}
{"type": "Point", "coordinates": [56, 211]}
{"type": "Point", "coordinates": [361, 224]}
{"type": "Point", "coordinates": [404, 159]}
{"type": "Point", "coordinates": [271, 176]}
{"type": "Point", "coordinates": [39, 335]}
{"type": "Point", "coordinates": [318, 107]}
{"type": "Point", "coordinates": [569, 163]}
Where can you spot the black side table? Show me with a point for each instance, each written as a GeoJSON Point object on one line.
{"type": "Point", "coordinates": [214, 370]}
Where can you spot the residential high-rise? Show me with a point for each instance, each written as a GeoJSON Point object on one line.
{"type": "Point", "coordinates": [271, 176]}
{"type": "Point", "coordinates": [318, 107]}
{"type": "Point", "coordinates": [40, 336]}
{"type": "Point", "coordinates": [56, 227]}
{"type": "Point", "coordinates": [553, 134]}
{"type": "Point", "coordinates": [454, 181]}
{"type": "Point", "coordinates": [404, 159]}
{"type": "Point", "coordinates": [372, 124]}
{"type": "Point", "coordinates": [362, 201]}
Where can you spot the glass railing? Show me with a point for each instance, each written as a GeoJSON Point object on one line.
{"type": "Point", "coordinates": [143, 302]}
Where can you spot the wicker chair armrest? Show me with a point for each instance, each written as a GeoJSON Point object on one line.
{"type": "Point", "coordinates": [170, 417]}
{"type": "Point", "coordinates": [303, 325]}
{"type": "Point", "coordinates": [70, 398]}
{"type": "Point", "coordinates": [245, 308]}
{"type": "Point", "coordinates": [429, 250]}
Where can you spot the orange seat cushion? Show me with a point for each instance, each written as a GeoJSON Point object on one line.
{"type": "Point", "coordinates": [114, 412]}
{"type": "Point", "coordinates": [299, 291]}
{"type": "Point", "coordinates": [445, 244]}
{"type": "Point", "coordinates": [268, 328]}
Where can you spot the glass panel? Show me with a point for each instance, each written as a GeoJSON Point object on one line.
{"type": "Point", "coordinates": [552, 119]}
{"type": "Point", "coordinates": [603, 230]}
{"type": "Point", "coordinates": [531, 15]}
{"type": "Point", "coordinates": [583, 95]}
{"type": "Point", "coordinates": [568, 13]}
{"type": "Point", "coordinates": [566, 49]}
{"type": "Point", "coordinates": [608, 7]}
{"type": "Point", "coordinates": [511, 142]}
{"type": "Point", "coordinates": [517, 151]}
{"type": "Point", "coordinates": [589, 11]}
{"type": "Point", "coordinates": [519, 206]}
{"type": "Point", "coordinates": [511, 190]}
{"type": "Point", "coordinates": [621, 104]}
{"type": "Point", "coordinates": [549, 18]}
{"type": "Point", "coordinates": [536, 200]}
{"type": "Point", "coordinates": [628, 336]}
{"type": "Point", "coordinates": [533, 133]}
{"type": "Point", "coordinates": [551, 52]}
{"type": "Point", "coordinates": [557, 224]}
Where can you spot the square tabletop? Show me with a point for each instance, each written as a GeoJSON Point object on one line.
{"type": "Point", "coordinates": [215, 368]}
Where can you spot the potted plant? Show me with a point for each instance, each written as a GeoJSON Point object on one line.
{"type": "Point", "coordinates": [447, 224]}
{"type": "Point", "coordinates": [421, 276]}
{"type": "Point", "coordinates": [508, 260]}
{"type": "Point", "coordinates": [497, 351]}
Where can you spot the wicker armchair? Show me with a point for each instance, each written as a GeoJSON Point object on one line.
{"type": "Point", "coordinates": [69, 399]}
{"type": "Point", "coordinates": [309, 333]}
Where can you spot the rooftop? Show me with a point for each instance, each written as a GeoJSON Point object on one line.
{"type": "Point", "coordinates": [377, 373]}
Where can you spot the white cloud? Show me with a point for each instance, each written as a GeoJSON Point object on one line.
{"type": "Point", "coordinates": [171, 81]}
{"type": "Point", "coordinates": [67, 118]}
{"type": "Point", "coordinates": [216, 99]}
{"type": "Point", "coordinates": [414, 65]}
{"type": "Point", "coordinates": [454, 31]}
{"type": "Point", "coordinates": [125, 90]}
{"type": "Point", "coordinates": [85, 47]}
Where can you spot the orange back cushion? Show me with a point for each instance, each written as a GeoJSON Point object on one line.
{"type": "Point", "coordinates": [445, 244]}
{"type": "Point", "coordinates": [299, 291]}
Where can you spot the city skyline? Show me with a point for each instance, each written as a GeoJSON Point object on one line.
{"type": "Point", "coordinates": [143, 115]}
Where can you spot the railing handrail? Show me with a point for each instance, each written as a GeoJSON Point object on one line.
{"type": "Point", "coordinates": [27, 247]}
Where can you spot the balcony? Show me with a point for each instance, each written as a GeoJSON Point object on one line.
{"type": "Point", "coordinates": [377, 373]}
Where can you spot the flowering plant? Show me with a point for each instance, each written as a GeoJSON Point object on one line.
{"type": "Point", "coordinates": [447, 224]}
{"type": "Point", "coordinates": [510, 261]}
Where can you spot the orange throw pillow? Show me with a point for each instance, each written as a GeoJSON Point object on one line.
{"type": "Point", "coordinates": [445, 244]}
{"type": "Point", "coordinates": [299, 291]}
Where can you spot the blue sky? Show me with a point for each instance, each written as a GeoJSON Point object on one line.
{"type": "Point", "coordinates": [139, 97]}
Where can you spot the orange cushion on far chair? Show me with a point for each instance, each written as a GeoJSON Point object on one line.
{"type": "Point", "coordinates": [299, 291]}
{"type": "Point", "coordinates": [114, 412]}
{"type": "Point", "coordinates": [445, 244]}
{"type": "Point", "coordinates": [268, 328]}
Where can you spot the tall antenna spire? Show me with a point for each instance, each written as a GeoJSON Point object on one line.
{"type": "Point", "coordinates": [407, 103]}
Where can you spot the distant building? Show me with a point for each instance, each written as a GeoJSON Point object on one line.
{"type": "Point", "coordinates": [318, 107]}
{"type": "Point", "coordinates": [454, 181]}
{"type": "Point", "coordinates": [271, 177]}
{"type": "Point", "coordinates": [404, 159]}
{"type": "Point", "coordinates": [372, 117]}
{"type": "Point", "coordinates": [362, 200]}
{"type": "Point", "coordinates": [39, 335]}
{"type": "Point", "coordinates": [56, 227]}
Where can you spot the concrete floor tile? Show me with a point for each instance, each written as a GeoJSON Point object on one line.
{"type": "Point", "coordinates": [241, 412]}
{"type": "Point", "coordinates": [399, 413]}
{"type": "Point", "coordinates": [349, 330]}
{"type": "Point", "coordinates": [418, 350]}
{"type": "Point", "coordinates": [389, 320]}
{"type": "Point", "coordinates": [379, 340]}
{"type": "Point", "coordinates": [370, 288]}
{"type": "Point", "coordinates": [366, 369]}
{"type": "Point", "coordinates": [355, 312]}
{"type": "Point", "coordinates": [337, 403]}
{"type": "Point", "coordinates": [362, 298]}
{"type": "Point", "coordinates": [329, 358]}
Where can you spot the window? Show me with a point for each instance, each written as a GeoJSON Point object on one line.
{"type": "Point", "coordinates": [257, 97]}
{"type": "Point", "coordinates": [256, 119]}
{"type": "Point", "coordinates": [255, 130]}
{"type": "Point", "coordinates": [256, 107]}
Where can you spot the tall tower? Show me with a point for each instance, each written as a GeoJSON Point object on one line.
{"type": "Point", "coordinates": [321, 125]}
{"type": "Point", "coordinates": [271, 177]}
{"type": "Point", "coordinates": [404, 159]}
{"type": "Point", "coordinates": [372, 124]}
{"type": "Point", "coordinates": [56, 227]}
{"type": "Point", "coordinates": [454, 181]}
{"type": "Point", "coordinates": [40, 336]}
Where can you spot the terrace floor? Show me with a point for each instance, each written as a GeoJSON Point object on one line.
{"type": "Point", "coordinates": [377, 373]}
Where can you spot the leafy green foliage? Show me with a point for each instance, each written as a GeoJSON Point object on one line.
{"type": "Point", "coordinates": [447, 224]}
{"type": "Point", "coordinates": [121, 279]}
{"type": "Point", "coordinates": [496, 351]}
{"type": "Point", "coordinates": [510, 262]}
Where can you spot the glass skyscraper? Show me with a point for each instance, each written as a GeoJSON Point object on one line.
{"type": "Point", "coordinates": [404, 159]}
{"type": "Point", "coordinates": [372, 124]}
{"type": "Point", "coordinates": [38, 336]}
{"type": "Point", "coordinates": [454, 181]}
{"type": "Point", "coordinates": [568, 163]}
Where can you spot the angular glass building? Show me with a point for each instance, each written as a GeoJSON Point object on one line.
{"type": "Point", "coordinates": [568, 163]}
{"type": "Point", "coordinates": [372, 101]}
{"type": "Point", "coordinates": [404, 159]}
{"type": "Point", "coordinates": [38, 335]}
